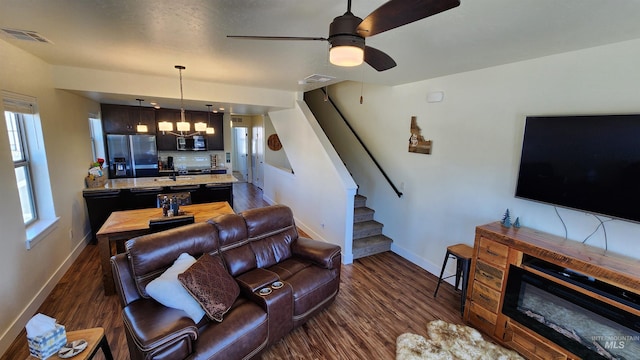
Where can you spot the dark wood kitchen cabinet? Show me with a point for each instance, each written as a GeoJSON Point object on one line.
{"type": "Point", "coordinates": [167, 142]}
{"type": "Point", "coordinates": [102, 202]}
{"type": "Point", "coordinates": [122, 119]}
{"type": "Point", "coordinates": [212, 193]}
{"type": "Point", "coordinates": [216, 141]}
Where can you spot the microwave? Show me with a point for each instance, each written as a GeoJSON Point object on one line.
{"type": "Point", "coordinates": [199, 143]}
{"type": "Point", "coordinates": [193, 143]}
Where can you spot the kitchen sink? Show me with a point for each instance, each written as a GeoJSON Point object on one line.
{"type": "Point", "coordinates": [171, 179]}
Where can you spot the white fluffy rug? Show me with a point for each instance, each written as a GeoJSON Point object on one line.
{"type": "Point", "coordinates": [450, 342]}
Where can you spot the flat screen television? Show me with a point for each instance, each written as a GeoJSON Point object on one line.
{"type": "Point", "coordinates": [589, 163]}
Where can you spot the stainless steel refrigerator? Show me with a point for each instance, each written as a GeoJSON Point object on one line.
{"type": "Point", "coordinates": [133, 155]}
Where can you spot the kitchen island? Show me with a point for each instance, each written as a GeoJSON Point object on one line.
{"type": "Point", "coordinates": [164, 181]}
{"type": "Point", "coordinates": [139, 193]}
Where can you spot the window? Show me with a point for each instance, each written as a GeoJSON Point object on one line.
{"type": "Point", "coordinates": [24, 131]}
{"type": "Point", "coordinates": [97, 140]}
{"type": "Point", "coordinates": [19, 153]}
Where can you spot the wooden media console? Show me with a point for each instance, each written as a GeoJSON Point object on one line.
{"type": "Point", "coordinates": [526, 274]}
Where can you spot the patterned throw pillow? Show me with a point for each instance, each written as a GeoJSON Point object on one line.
{"type": "Point", "coordinates": [211, 285]}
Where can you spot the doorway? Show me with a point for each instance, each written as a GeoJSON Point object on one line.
{"type": "Point", "coordinates": [240, 154]}
{"type": "Point", "coordinates": [257, 155]}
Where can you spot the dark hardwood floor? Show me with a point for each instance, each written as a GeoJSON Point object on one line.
{"type": "Point", "coordinates": [380, 297]}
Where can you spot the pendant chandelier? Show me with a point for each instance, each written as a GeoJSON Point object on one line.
{"type": "Point", "coordinates": [209, 129]}
{"type": "Point", "coordinates": [182, 126]}
{"type": "Point", "coordinates": [141, 128]}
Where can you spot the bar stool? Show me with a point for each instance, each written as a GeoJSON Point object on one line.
{"type": "Point", "coordinates": [463, 254]}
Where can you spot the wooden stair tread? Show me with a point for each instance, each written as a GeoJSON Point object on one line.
{"type": "Point", "coordinates": [366, 228]}
{"type": "Point", "coordinates": [367, 225]}
{"type": "Point", "coordinates": [371, 240]}
{"type": "Point", "coordinates": [359, 201]}
{"type": "Point", "coordinates": [371, 245]}
{"type": "Point", "coordinates": [362, 214]}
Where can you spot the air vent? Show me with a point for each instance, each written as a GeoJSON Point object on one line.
{"type": "Point", "coordinates": [26, 35]}
{"type": "Point", "coordinates": [236, 119]}
{"type": "Point", "coordinates": [316, 78]}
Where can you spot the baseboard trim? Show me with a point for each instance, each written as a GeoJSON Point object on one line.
{"type": "Point", "coordinates": [32, 307]}
{"type": "Point", "coordinates": [434, 269]}
{"type": "Point", "coordinates": [268, 199]}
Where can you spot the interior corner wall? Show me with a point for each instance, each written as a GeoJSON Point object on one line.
{"type": "Point", "coordinates": [29, 275]}
{"type": "Point", "coordinates": [276, 158]}
{"type": "Point", "coordinates": [320, 191]}
{"type": "Point", "coordinates": [469, 179]}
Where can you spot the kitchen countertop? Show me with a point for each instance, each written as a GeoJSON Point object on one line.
{"type": "Point", "coordinates": [163, 181]}
{"type": "Point", "coordinates": [193, 171]}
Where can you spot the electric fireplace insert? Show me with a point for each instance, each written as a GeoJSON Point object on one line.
{"type": "Point", "coordinates": [579, 322]}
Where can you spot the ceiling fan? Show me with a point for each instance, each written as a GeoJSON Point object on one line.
{"type": "Point", "coordinates": [347, 32]}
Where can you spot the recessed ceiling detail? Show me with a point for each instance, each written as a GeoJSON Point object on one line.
{"type": "Point", "coordinates": [26, 35]}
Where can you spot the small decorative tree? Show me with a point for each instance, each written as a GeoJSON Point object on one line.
{"type": "Point", "coordinates": [516, 223]}
{"type": "Point", "coordinates": [506, 219]}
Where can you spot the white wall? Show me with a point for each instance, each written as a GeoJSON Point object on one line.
{"type": "Point", "coordinates": [93, 80]}
{"type": "Point", "coordinates": [29, 275]}
{"type": "Point", "coordinates": [320, 191]}
{"type": "Point", "coordinates": [477, 130]}
{"type": "Point", "coordinates": [274, 158]}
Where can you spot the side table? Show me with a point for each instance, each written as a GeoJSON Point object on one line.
{"type": "Point", "coordinates": [95, 339]}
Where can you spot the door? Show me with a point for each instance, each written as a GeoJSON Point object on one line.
{"type": "Point", "coordinates": [257, 155]}
{"type": "Point", "coordinates": [240, 168]}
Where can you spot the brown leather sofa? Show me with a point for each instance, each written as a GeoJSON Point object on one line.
{"type": "Point", "coordinates": [258, 246]}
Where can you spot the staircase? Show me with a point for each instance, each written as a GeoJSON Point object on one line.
{"type": "Point", "coordinates": [367, 233]}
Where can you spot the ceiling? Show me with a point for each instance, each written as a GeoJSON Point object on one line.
{"type": "Point", "coordinates": [149, 37]}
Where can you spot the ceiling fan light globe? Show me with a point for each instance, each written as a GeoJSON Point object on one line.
{"type": "Point", "coordinates": [346, 55]}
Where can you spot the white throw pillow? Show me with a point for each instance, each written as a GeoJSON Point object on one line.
{"type": "Point", "coordinates": [168, 291]}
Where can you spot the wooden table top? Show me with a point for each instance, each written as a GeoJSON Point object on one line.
{"type": "Point", "coordinates": [134, 220]}
{"type": "Point", "coordinates": [92, 336]}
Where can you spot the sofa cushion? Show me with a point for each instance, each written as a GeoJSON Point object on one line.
{"type": "Point", "coordinates": [289, 267]}
{"type": "Point", "coordinates": [271, 231]}
{"type": "Point", "coordinates": [150, 255]}
{"type": "Point", "coordinates": [313, 288]}
{"type": "Point", "coordinates": [167, 325]}
{"type": "Point", "coordinates": [211, 285]}
{"type": "Point", "coordinates": [168, 291]}
{"type": "Point", "coordinates": [232, 232]}
{"type": "Point", "coordinates": [243, 333]}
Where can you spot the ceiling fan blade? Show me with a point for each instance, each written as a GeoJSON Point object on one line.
{"type": "Point", "coordinates": [378, 59]}
{"type": "Point", "coordinates": [251, 37]}
{"type": "Point", "coordinates": [396, 13]}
